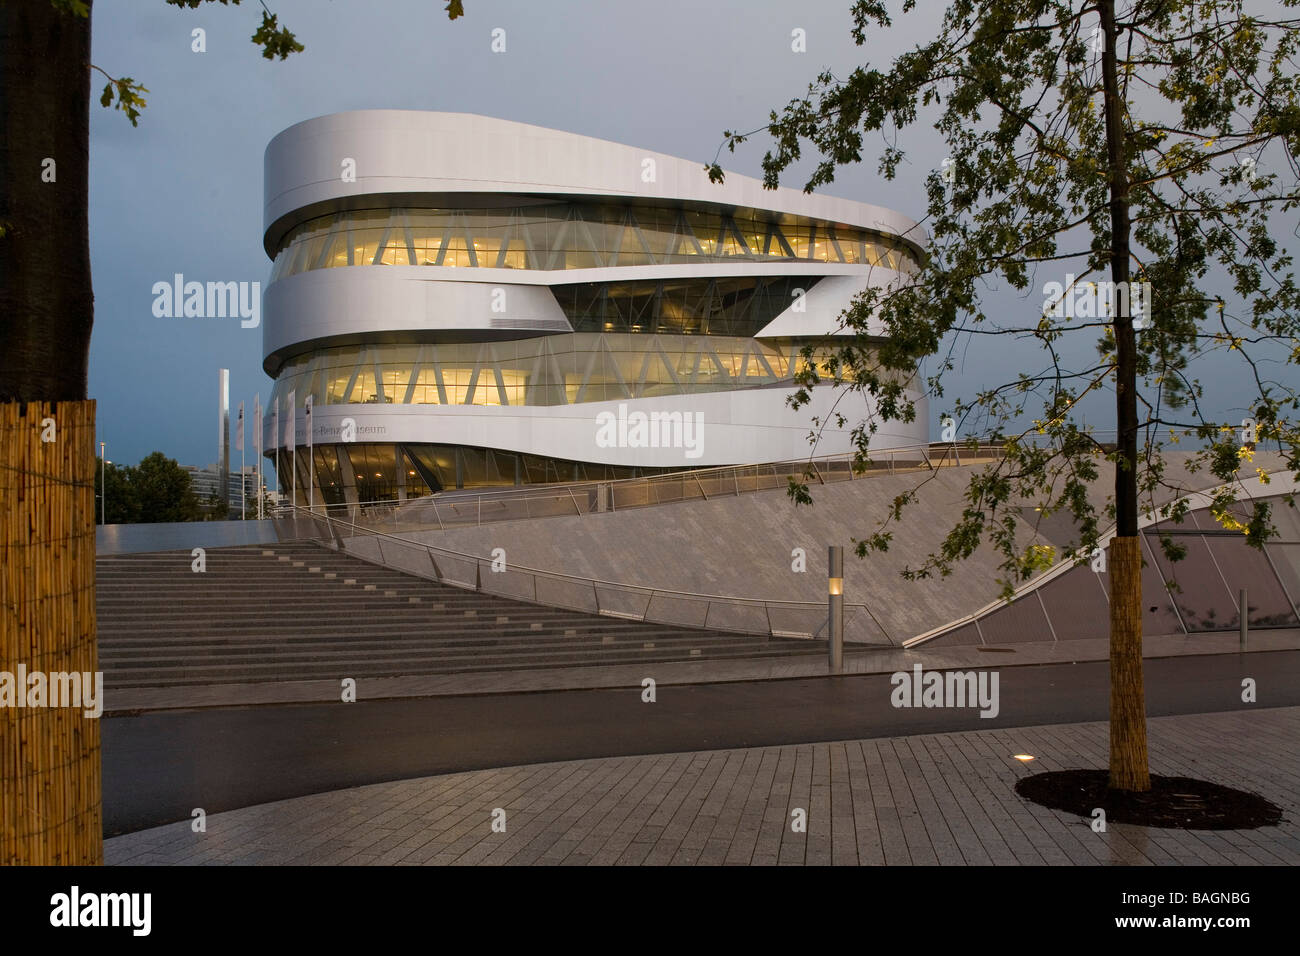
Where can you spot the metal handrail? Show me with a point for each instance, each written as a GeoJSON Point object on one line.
{"type": "Point", "coordinates": [583, 584]}
{"type": "Point", "coordinates": [565, 492]}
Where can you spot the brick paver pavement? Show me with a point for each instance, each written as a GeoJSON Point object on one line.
{"type": "Point", "coordinates": [931, 799]}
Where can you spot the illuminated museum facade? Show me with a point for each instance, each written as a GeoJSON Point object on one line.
{"type": "Point", "coordinates": [475, 302]}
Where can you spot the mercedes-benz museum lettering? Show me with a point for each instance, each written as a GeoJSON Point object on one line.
{"type": "Point", "coordinates": [493, 303]}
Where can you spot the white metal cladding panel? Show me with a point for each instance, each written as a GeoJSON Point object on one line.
{"type": "Point", "coordinates": [749, 425]}
{"type": "Point", "coordinates": [824, 305]}
{"type": "Point", "coordinates": [334, 302]}
{"type": "Point", "coordinates": [409, 151]}
{"type": "Point", "coordinates": [317, 305]}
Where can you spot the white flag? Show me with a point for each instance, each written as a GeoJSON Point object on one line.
{"type": "Point", "coordinates": [239, 429]}
{"type": "Point", "coordinates": [291, 421]}
{"type": "Point", "coordinates": [307, 405]}
{"type": "Point", "coordinates": [257, 421]}
{"type": "Point", "coordinates": [275, 424]}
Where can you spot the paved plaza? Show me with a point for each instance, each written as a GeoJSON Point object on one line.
{"type": "Point", "coordinates": [930, 799]}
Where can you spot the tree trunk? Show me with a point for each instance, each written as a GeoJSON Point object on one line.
{"type": "Point", "coordinates": [1128, 717]}
{"type": "Point", "coordinates": [1128, 729]}
{"type": "Point", "coordinates": [49, 749]}
{"type": "Point", "coordinates": [50, 811]}
{"type": "Point", "coordinates": [46, 304]}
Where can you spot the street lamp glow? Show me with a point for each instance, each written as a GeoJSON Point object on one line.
{"type": "Point", "coordinates": [835, 608]}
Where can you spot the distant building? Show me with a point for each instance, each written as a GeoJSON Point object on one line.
{"type": "Point", "coordinates": [206, 481]}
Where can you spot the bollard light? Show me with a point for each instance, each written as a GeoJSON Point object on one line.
{"type": "Point", "coordinates": [835, 609]}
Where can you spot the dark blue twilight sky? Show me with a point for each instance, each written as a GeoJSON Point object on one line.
{"type": "Point", "coordinates": [183, 191]}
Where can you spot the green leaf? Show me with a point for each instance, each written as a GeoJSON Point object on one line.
{"type": "Point", "coordinates": [274, 40]}
{"type": "Point", "coordinates": [77, 8]}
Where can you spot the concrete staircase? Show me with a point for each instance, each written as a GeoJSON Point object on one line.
{"type": "Point", "coordinates": [298, 611]}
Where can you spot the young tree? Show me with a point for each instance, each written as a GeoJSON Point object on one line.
{"type": "Point", "coordinates": [1150, 140]}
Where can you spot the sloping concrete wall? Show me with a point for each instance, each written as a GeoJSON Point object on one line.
{"type": "Point", "coordinates": [742, 546]}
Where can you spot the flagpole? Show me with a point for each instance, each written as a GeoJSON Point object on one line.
{"type": "Point", "coordinates": [291, 428]}
{"type": "Point", "coordinates": [311, 462]}
{"type": "Point", "coordinates": [257, 404]}
{"type": "Point", "coordinates": [276, 441]}
{"type": "Point", "coordinates": [243, 486]}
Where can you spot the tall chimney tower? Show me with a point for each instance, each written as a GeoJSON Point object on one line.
{"type": "Point", "coordinates": [223, 440]}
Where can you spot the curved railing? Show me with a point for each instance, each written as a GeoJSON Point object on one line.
{"type": "Point", "coordinates": [797, 619]}
{"type": "Point", "coordinates": [595, 497]}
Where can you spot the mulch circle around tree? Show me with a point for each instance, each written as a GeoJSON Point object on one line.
{"type": "Point", "coordinates": [1172, 802]}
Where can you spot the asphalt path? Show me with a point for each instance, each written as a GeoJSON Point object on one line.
{"type": "Point", "coordinates": [159, 766]}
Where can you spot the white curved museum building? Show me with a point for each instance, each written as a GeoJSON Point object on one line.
{"type": "Point", "coordinates": [474, 302]}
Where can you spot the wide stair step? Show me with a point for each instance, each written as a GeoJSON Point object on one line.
{"type": "Point", "coordinates": [301, 611]}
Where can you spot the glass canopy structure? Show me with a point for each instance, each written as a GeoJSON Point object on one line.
{"type": "Point", "coordinates": [575, 235]}
{"type": "Point", "coordinates": [536, 283]}
{"type": "Point", "coordinates": [1197, 595]}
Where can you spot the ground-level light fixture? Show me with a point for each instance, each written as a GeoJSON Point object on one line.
{"type": "Point", "coordinates": [835, 608]}
{"type": "Point", "coordinates": [1024, 758]}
